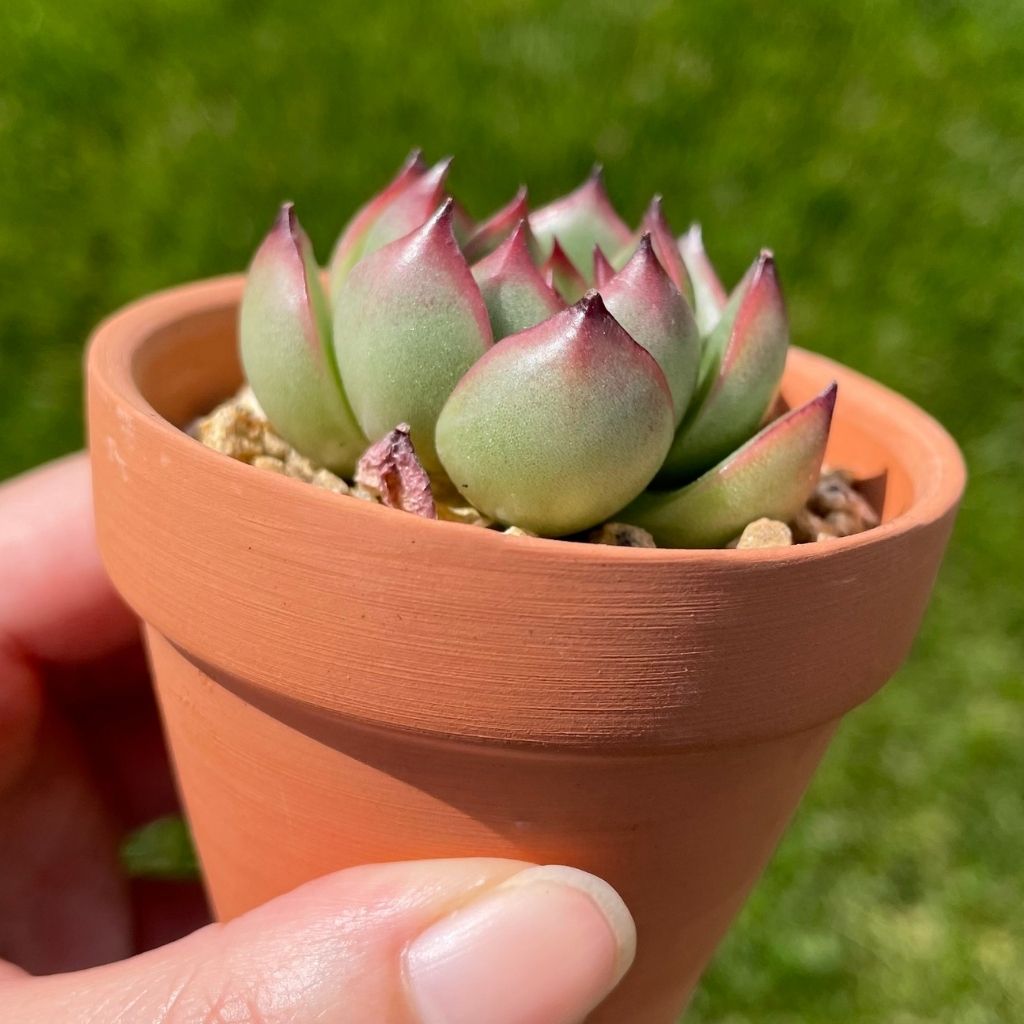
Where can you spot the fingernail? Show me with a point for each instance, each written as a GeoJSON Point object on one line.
{"type": "Point", "coordinates": [545, 947]}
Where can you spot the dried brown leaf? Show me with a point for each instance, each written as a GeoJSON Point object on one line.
{"type": "Point", "coordinates": [391, 470]}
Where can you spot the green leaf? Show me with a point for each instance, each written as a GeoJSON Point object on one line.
{"type": "Point", "coordinates": [161, 849]}
{"type": "Point", "coordinates": [285, 343]}
{"type": "Point", "coordinates": [409, 321]}
{"type": "Point", "coordinates": [741, 368]}
{"type": "Point", "coordinates": [771, 476]}
{"type": "Point", "coordinates": [559, 426]}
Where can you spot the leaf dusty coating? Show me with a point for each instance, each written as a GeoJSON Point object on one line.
{"type": "Point", "coordinates": [579, 221]}
{"type": "Point", "coordinates": [493, 231]}
{"type": "Point", "coordinates": [741, 368]}
{"type": "Point", "coordinates": [516, 294]}
{"type": "Point", "coordinates": [709, 295]}
{"type": "Point", "coordinates": [349, 246]}
{"type": "Point", "coordinates": [391, 470]}
{"type": "Point", "coordinates": [560, 273]}
{"type": "Point", "coordinates": [559, 426]}
{"type": "Point", "coordinates": [409, 321]}
{"type": "Point", "coordinates": [408, 208]}
{"type": "Point", "coordinates": [771, 476]}
{"type": "Point", "coordinates": [666, 248]}
{"type": "Point", "coordinates": [643, 299]}
{"type": "Point", "coordinates": [285, 347]}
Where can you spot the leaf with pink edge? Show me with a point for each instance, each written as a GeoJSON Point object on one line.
{"type": "Point", "coordinates": [603, 270]}
{"type": "Point", "coordinates": [463, 225]}
{"type": "Point", "coordinates": [649, 305]}
{"type": "Point", "coordinates": [493, 231]}
{"type": "Point", "coordinates": [579, 221]}
{"type": "Point", "coordinates": [515, 293]}
{"type": "Point", "coordinates": [665, 246]}
{"type": "Point", "coordinates": [409, 321]}
{"type": "Point", "coordinates": [709, 296]}
{"type": "Point", "coordinates": [285, 346]}
{"type": "Point", "coordinates": [771, 476]}
{"type": "Point", "coordinates": [561, 274]}
{"type": "Point", "coordinates": [741, 368]}
{"type": "Point", "coordinates": [406, 208]}
{"type": "Point", "coordinates": [349, 245]}
{"type": "Point", "coordinates": [559, 426]}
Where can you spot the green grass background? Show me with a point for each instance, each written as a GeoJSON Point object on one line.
{"type": "Point", "coordinates": [877, 146]}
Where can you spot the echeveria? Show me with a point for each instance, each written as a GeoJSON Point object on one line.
{"type": "Point", "coordinates": [285, 343]}
{"type": "Point", "coordinates": [561, 274]}
{"type": "Point", "coordinates": [740, 372]}
{"type": "Point", "coordinates": [771, 476]}
{"type": "Point", "coordinates": [349, 246]}
{"type": "Point", "coordinates": [643, 299]}
{"type": "Point", "coordinates": [709, 297]}
{"type": "Point", "coordinates": [515, 293]}
{"type": "Point", "coordinates": [603, 270]}
{"type": "Point", "coordinates": [403, 206]}
{"type": "Point", "coordinates": [562, 424]}
{"type": "Point", "coordinates": [665, 246]}
{"type": "Point", "coordinates": [557, 428]}
{"type": "Point", "coordinates": [493, 231]}
{"type": "Point", "coordinates": [409, 321]}
{"type": "Point", "coordinates": [579, 221]}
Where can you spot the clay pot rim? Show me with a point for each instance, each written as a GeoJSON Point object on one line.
{"type": "Point", "coordinates": [120, 336]}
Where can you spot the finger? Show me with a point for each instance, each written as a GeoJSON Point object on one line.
{"type": "Point", "coordinates": [442, 942]}
{"type": "Point", "coordinates": [56, 603]}
{"type": "Point", "coordinates": [63, 903]}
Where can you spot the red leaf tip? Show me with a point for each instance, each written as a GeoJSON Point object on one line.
{"type": "Point", "coordinates": [603, 270]}
{"type": "Point", "coordinates": [828, 397]}
{"type": "Point", "coordinates": [414, 162]}
{"type": "Point", "coordinates": [592, 305]}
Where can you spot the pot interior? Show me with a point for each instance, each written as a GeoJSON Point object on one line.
{"type": "Point", "coordinates": [186, 368]}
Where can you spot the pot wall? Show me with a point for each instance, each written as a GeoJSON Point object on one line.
{"type": "Point", "coordinates": [278, 795]}
{"type": "Point", "coordinates": [342, 683]}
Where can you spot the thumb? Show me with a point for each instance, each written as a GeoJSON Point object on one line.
{"type": "Point", "coordinates": [424, 942]}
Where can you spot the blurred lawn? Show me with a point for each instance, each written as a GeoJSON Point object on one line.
{"type": "Point", "coordinates": [880, 150]}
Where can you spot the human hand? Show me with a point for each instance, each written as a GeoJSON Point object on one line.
{"type": "Point", "coordinates": [81, 761]}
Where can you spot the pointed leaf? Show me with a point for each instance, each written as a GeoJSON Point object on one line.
{"type": "Point", "coordinates": [582, 219]}
{"type": "Point", "coordinates": [493, 231]}
{"type": "Point", "coordinates": [665, 246]}
{"type": "Point", "coordinates": [603, 270]}
{"type": "Point", "coordinates": [771, 476]}
{"type": "Point", "coordinates": [516, 294]}
{"type": "Point", "coordinates": [643, 299]}
{"type": "Point", "coordinates": [741, 368]}
{"type": "Point", "coordinates": [408, 323]}
{"type": "Point", "coordinates": [709, 296]}
{"type": "Point", "coordinates": [560, 273]}
{"type": "Point", "coordinates": [349, 246]}
{"type": "Point", "coordinates": [285, 344]}
{"type": "Point", "coordinates": [409, 209]}
{"type": "Point", "coordinates": [463, 225]}
{"type": "Point", "coordinates": [558, 427]}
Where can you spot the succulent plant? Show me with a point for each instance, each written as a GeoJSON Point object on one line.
{"type": "Point", "coordinates": [556, 368]}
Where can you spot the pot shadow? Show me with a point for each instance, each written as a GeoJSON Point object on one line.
{"type": "Point", "coordinates": [631, 815]}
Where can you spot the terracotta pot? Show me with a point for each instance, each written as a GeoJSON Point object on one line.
{"type": "Point", "coordinates": [342, 683]}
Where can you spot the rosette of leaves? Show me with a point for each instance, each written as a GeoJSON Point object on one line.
{"type": "Point", "coordinates": [555, 366]}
